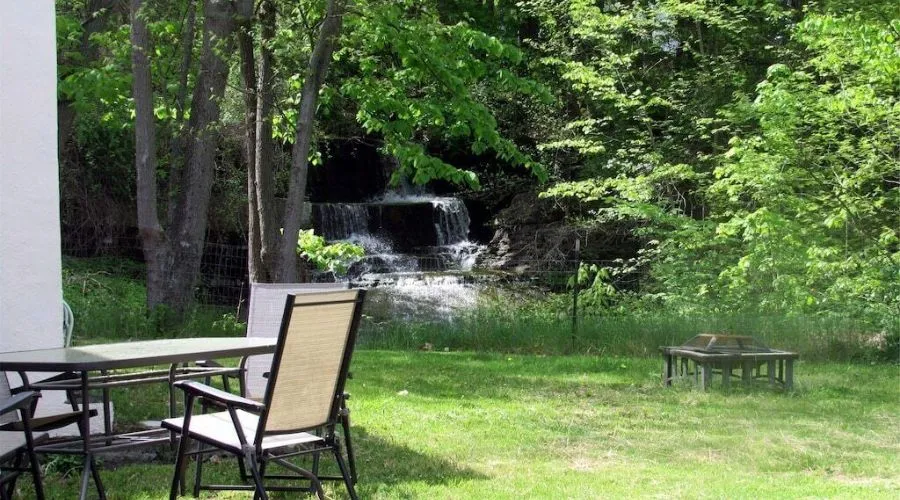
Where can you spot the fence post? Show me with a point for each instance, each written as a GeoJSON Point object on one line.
{"type": "Point", "coordinates": [575, 290]}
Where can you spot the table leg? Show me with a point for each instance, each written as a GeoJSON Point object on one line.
{"type": "Point", "coordinates": [726, 375]}
{"type": "Point", "coordinates": [90, 465]}
{"type": "Point", "coordinates": [85, 479]}
{"type": "Point", "coordinates": [107, 412]}
{"type": "Point", "coordinates": [770, 368]}
{"type": "Point", "coordinates": [172, 409]}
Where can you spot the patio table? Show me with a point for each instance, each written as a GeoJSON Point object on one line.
{"type": "Point", "coordinates": [88, 368]}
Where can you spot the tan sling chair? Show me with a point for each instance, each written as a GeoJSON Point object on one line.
{"type": "Point", "coordinates": [304, 393]}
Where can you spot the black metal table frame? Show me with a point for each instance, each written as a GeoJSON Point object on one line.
{"type": "Point", "coordinates": [81, 380]}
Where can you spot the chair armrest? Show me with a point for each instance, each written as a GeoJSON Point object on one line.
{"type": "Point", "coordinates": [20, 401]}
{"type": "Point", "coordinates": [211, 393]}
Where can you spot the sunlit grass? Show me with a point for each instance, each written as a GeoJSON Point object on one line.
{"type": "Point", "coordinates": [525, 426]}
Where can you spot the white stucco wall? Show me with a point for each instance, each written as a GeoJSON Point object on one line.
{"type": "Point", "coordinates": [30, 266]}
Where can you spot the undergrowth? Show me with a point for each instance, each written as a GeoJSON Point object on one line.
{"type": "Point", "coordinates": [108, 298]}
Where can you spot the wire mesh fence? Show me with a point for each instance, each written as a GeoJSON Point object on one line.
{"type": "Point", "coordinates": [223, 272]}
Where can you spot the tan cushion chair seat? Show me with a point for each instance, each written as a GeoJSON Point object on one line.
{"type": "Point", "coordinates": [219, 428]}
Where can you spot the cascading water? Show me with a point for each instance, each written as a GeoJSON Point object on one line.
{"type": "Point", "coordinates": [340, 221]}
{"type": "Point", "coordinates": [417, 251]}
{"type": "Point", "coordinates": [451, 221]}
{"type": "Point", "coordinates": [402, 234]}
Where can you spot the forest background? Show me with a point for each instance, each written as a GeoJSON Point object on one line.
{"type": "Point", "coordinates": [749, 149]}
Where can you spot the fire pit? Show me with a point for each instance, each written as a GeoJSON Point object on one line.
{"type": "Point", "coordinates": [712, 352]}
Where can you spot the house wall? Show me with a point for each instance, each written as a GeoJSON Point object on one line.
{"type": "Point", "coordinates": [30, 262]}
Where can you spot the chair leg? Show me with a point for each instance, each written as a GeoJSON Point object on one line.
{"type": "Point", "coordinates": [351, 457]}
{"type": "Point", "coordinates": [253, 464]}
{"type": "Point", "coordinates": [314, 469]}
{"type": "Point", "coordinates": [345, 472]}
{"type": "Point", "coordinates": [35, 475]}
{"type": "Point", "coordinates": [262, 474]}
{"type": "Point", "coordinates": [178, 474]}
{"type": "Point", "coordinates": [198, 472]}
{"type": "Point", "coordinates": [10, 487]}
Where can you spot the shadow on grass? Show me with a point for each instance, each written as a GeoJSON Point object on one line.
{"type": "Point", "coordinates": [383, 462]}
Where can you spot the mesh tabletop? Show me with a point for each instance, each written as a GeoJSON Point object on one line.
{"type": "Point", "coordinates": [133, 354]}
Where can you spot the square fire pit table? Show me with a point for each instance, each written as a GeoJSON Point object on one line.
{"type": "Point", "coordinates": [724, 353]}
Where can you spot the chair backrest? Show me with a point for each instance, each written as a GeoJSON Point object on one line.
{"type": "Point", "coordinates": [310, 364]}
{"type": "Point", "coordinates": [264, 320]}
{"type": "Point", "coordinates": [68, 324]}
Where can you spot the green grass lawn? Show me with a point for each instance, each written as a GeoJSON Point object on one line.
{"type": "Point", "coordinates": [522, 426]}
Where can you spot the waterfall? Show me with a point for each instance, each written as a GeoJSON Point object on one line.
{"type": "Point", "coordinates": [401, 233]}
{"type": "Point", "coordinates": [339, 221]}
{"type": "Point", "coordinates": [418, 252]}
{"type": "Point", "coordinates": [451, 221]}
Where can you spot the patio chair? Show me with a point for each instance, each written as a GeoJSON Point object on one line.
{"type": "Point", "coordinates": [304, 394]}
{"type": "Point", "coordinates": [264, 320]}
{"type": "Point", "coordinates": [44, 423]}
{"type": "Point", "coordinates": [16, 446]}
{"type": "Point", "coordinates": [55, 421]}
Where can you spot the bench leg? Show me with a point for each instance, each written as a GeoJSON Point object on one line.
{"type": "Point", "coordinates": [707, 375]}
{"type": "Point", "coordinates": [789, 375]}
{"type": "Point", "coordinates": [667, 370]}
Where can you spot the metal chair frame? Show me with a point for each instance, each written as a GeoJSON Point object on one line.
{"type": "Point", "coordinates": [252, 458]}
{"type": "Point", "coordinates": [245, 369]}
{"type": "Point", "coordinates": [23, 402]}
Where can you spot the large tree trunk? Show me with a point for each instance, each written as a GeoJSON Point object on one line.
{"type": "Point", "coordinates": [258, 147]}
{"type": "Point", "coordinates": [309, 95]}
{"type": "Point", "coordinates": [152, 236]}
{"type": "Point", "coordinates": [173, 256]}
{"type": "Point", "coordinates": [189, 225]}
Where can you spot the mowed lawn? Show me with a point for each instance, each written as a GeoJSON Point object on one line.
{"type": "Point", "coordinates": [469, 425]}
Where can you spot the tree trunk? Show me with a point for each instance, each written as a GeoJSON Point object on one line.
{"type": "Point", "coordinates": [189, 225]}
{"type": "Point", "coordinates": [179, 139]}
{"type": "Point", "coordinates": [248, 76]}
{"type": "Point", "coordinates": [265, 194]}
{"type": "Point", "coordinates": [309, 95]}
{"type": "Point", "coordinates": [151, 233]}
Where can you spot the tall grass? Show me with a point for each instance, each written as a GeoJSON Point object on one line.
{"type": "Point", "coordinates": [528, 329]}
{"type": "Point", "coordinates": [108, 298]}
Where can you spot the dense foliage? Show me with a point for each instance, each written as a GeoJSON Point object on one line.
{"type": "Point", "coordinates": [752, 144]}
{"type": "Point", "coordinates": [776, 195]}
